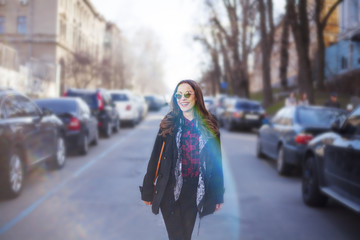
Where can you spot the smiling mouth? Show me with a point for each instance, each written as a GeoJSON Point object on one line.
{"type": "Point", "coordinates": [184, 104]}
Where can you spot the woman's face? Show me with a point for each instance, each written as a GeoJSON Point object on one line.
{"type": "Point", "coordinates": [185, 104]}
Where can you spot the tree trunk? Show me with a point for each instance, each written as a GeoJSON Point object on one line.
{"type": "Point", "coordinates": [320, 27]}
{"type": "Point", "coordinates": [266, 46]}
{"type": "Point", "coordinates": [300, 28]}
{"type": "Point", "coordinates": [226, 63]}
{"type": "Point", "coordinates": [284, 54]}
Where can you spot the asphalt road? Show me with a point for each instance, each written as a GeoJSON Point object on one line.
{"type": "Point", "coordinates": [97, 197]}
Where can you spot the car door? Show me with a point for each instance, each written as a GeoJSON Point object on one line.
{"type": "Point", "coordinates": [26, 126]}
{"type": "Point", "coordinates": [342, 158]}
{"type": "Point", "coordinates": [46, 125]}
{"type": "Point", "coordinates": [270, 134]}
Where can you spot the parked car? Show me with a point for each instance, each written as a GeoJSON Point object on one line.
{"type": "Point", "coordinates": [102, 106]}
{"type": "Point", "coordinates": [127, 106]}
{"type": "Point", "coordinates": [28, 137]}
{"type": "Point", "coordinates": [286, 135]}
{"type": "Point", "coordinates": [242, 113]}
{"type": "Point", "coordinates": [81, 125]}
{"type": "Point", "coordinates": [154, 102]}
{"type": "Point", "coordinates": [331, 167]}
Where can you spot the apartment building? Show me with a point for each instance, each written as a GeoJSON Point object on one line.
{"type": "Point", "coordinates": [46, 32]}
{"type": "Point", "coordinates": [343, 58]}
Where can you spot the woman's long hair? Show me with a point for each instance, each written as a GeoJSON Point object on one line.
{"type": "Point", "coordinates": [207, 121]}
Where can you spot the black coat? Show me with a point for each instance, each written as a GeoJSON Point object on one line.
{"type": "Point", "coordinates": [213, 177]}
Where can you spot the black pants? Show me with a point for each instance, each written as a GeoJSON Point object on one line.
{"type": "Point", "coordinates": [180, 216]}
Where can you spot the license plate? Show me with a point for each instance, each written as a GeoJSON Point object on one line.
{"type": "Point", "coordinates": [252, 117]}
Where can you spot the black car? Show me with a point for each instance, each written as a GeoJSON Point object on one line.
{"type": "Point", "coordinates": [154, 102]}
{"type": "Point", "coordinates": [331, 167]}
{"type": "Point", "coordinates": [102, 106]}
{"type": "Point", "coordinates": [28, 136]}
{"type": "Point", "coordinates": [81, 125]}
{"type": "Point", "coordinates": [242, 113]}
{"type": "Point", "coordinates": [286, 135]}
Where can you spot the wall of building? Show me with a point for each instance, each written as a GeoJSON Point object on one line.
{"type": "Point", "coordinates": [342, 57]}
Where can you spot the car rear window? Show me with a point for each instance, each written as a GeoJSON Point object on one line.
{"type": "Point", "coordinates": [247, 106]}
{"type": "Point", "coordinates": [320, 116]}
{"type": "Point", "coordinates": [58, 107]}
{"type": "Point", "coordinates": [119, 97]}
{"type": "Point", "coordinates": [89, 98]}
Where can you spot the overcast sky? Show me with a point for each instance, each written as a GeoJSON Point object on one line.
{"type": "Point", "coordinates": [173, 21]}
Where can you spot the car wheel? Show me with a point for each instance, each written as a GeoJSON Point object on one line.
{"type": "Point", "coordinates": [84, 148]}
{"type": "Point", "coordinates": [108, 130]}
{"type": "Point", "coordinates": [282, 167]}
{"type": "Point", "coordinates": [310, 184]}
{"type": "Point", "coordinates": [59, 159]}
{"type": "Point", "coordinates": [96, 138]}
{"type": "Point", "coordinates": [259, 153]}
{"type": "Point", "coordinates": [14, 174]}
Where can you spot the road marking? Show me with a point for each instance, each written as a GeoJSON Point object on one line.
{"type": "Point", "coordinates": [33, 206]}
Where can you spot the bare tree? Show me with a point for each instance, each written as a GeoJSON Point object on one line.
{"type": "Point", "coordinates": [83, 69]}
{"type": "Point", "coordinates": [212, 76]}
{"type": "Point", "coordinates": [321, 19]}
{"type": "Point", "coordinates": [147, 63]}
{"type": "Point", "coordinates": [300, 27]}
{"type": "Point", "coordinates": [234, 41]}
{"type": "Point", "coordinates": [267, 40]}
{"type": "Point", "coordinates": [284, 54]}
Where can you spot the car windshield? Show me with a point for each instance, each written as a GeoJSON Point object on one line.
{"type": "Point", "coordinates": [58, 107]}
{"type": "Point", "coordinates": [318, 116]}
{"type": "Point", "coordinates": [89, 98]}
{"type": "Point", "coordinates": [119, 97]}
{"type": "Point", "coordinates": [247, 106]}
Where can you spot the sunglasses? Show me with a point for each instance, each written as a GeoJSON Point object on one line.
{"type": "Point", "coordinates": [186, 95]}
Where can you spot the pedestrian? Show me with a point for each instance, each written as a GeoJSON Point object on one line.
{"type": "Point", "coordinates": [304, 101]}
{"type": "Point", "coordinates": [333, 101]}
{"type": "Point", "coordinates": [291, 100]}
{"type": "Point", "coordinates": [190, 177]}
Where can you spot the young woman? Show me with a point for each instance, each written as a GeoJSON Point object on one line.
{"type": "Point", "coordinates": [190, 176]}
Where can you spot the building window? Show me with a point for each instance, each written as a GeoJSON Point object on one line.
{"type": "Point", "coordinates": [21, 25]}
{"type": "Point", "coordinates": [2, 25]}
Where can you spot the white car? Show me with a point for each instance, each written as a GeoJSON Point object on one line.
{"type": "Point", "coordinates": [127, 106]}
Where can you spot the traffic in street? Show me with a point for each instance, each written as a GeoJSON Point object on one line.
{"type": "Point", "coordinates": [96, 196]}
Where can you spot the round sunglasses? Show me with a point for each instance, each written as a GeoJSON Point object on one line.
{"type": "Point", "coordinates": [186, 95]}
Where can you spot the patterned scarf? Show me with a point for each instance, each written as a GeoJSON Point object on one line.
{"type": "Point", "coordinates": [178, 171]}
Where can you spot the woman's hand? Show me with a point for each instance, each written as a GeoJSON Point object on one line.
{"type": "Point", "coordinates": [218, 207]}
{"type": "Point", "coordinates": [147, 203]}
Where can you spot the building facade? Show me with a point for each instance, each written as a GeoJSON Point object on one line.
{"type": "Point", "coordinates": [46, 32]}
